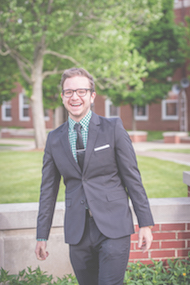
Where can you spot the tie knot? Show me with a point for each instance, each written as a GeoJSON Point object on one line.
{"type": "Point", "coordinates": [77, 127]}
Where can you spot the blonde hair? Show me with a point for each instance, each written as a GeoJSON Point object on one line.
{"type": "Point", "coordinates": [69, 73]}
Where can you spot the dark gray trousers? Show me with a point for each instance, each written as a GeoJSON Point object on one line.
{"type": "Point", "coordinates": [98, 260]}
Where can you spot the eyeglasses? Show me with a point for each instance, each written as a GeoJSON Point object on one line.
{"type": "Point", "coordinates": [80, 92]}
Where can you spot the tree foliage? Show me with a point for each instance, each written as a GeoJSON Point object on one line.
{"type": "Point", "coordinates": [113, 58]}
{"type": "Point", "coordinates": [162, 43]}
{"type": "Point", "coordinates": [35, 34]}
{"type": "Point", "coordinates": [9, 77]}
{"type": "Point", "coordinates": [45, 37]}
{"type": "Point", "coordinates": [138, 74]}
{"type": "Point", "coordinates": [136, 60]}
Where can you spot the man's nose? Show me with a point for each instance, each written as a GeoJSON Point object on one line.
{"type": "Point", "coordinates": [74, 96]}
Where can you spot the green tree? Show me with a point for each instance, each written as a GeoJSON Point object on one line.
{"type": "Point", "coordinates": [138, 74]}
{"type": "Point", "coordinates": [32, 32]}
{"type": "Point", "coordinates": [162, 43]}
{"type": "Point", "coordinates": [9, 77]}
{"type": "Point", "coordinates": [40, 35]}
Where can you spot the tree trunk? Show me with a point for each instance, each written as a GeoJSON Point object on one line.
{"type": "Point", "coordinates": [37, 102]}
{"type": "Point", "coordinates": [133, 118]}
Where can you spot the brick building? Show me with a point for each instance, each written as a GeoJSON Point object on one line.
{"type": "Point", "coordinates": [18, 113]}
{"type": "Point", "coordinates": [163, 116]}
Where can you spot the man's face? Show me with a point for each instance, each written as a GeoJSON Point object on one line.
{"type": "Point", "coordinates": [78, 107]}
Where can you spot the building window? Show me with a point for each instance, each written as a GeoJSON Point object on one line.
{"type": "Point", "coordinates": [170, 109]}
{"type": "Point", "coordinates": [141, 113]}
{"type": "Point", "coordinates": [23, 107]}
{"type": "Point", "coordinates": [6, 111]}
{"type": "Point", "coordinates": [46, 114]}
{"type": "Point", "coordinates": [111, 110]}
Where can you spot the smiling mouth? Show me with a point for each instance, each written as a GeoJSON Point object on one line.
{"type": "Point", "coordinates": [76, 105]}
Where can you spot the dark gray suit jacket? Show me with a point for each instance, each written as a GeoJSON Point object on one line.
{"type": "Point", "coordinates": [110, 175]}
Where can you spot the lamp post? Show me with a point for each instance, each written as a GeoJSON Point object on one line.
{"type": "Point", "coordinates": [182, 103]}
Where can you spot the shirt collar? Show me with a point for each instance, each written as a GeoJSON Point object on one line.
{"type": "Point", "coordinates": [84, 122]}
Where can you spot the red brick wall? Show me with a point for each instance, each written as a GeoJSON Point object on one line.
{"type": "Point", "coordinates": [99, 105]}
{"type": "Point", "coordinates": [154, 123]}
{"type": "Point", "coordinates": [180, 13]}
{"type": "Point", "coordinates": [169, 241]}
{"type": "Point", "coordinates": [126, 115]}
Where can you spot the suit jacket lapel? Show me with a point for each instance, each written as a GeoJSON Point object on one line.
{"type": "Point", "coordinates": [65, 142]}
{"type": "Point", "coordinates": [92, 136]}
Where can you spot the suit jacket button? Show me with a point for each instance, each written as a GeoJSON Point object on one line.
{"type": "Point", "coordinates": [82, 201]}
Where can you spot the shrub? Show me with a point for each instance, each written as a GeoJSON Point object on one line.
{"type": "Point", "coordinates": [176, 273]}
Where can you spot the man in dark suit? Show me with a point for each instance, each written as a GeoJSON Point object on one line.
{"type": "Point", "coordinates": [98, 164]}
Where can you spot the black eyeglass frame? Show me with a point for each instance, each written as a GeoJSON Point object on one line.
{"type": "Point", "coordinates": [86, 89]}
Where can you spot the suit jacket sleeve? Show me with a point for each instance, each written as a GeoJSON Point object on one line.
{"type": "Point", "coordinates": [130, 176]}
{"type": "Point", "coordinates": [49, 190]}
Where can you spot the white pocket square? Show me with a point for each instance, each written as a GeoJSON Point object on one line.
{"type": "Point", "coordinates": [102, 147]}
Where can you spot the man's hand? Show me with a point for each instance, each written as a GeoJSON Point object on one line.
{"type": "Point", "coordinates": [145, 238]}
{"type": "Point", "coordinates": [40, 250]}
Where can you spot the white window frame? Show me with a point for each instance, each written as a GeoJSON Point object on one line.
{"type": "Point", "coordinates": [164, 110]}
{"type": "Point", "coordinates": [108, 103]}
{"type": "Point", "coordinates": [4, 107]}
{"type": "Point", "coordinates": [180, 4]}
{"type": "Point", "coordinates": [21, 107]}
{"type": "Point", "coordinates": [141, 118]}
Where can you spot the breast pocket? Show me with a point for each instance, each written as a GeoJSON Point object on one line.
{"type": "Point", "coordinates": [102, 159]}
{"type": "Point", "coordinates": [103, 151]}
{"type": "Point", "coordinates": [102, 147]}
{"type": "Point", "coordinates": [105, 157]}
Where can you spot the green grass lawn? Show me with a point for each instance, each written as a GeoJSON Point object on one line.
{"type": "Point", "coordinates": [162, 179]}
{"type": "Point", "coordinates": [20, 177]}
{"type": "Point", "coordinates": [154, 135]}
{"type": "Point", "coordinates": [174, 150]}
{"type": "Point", "coordinates": [3, 144]}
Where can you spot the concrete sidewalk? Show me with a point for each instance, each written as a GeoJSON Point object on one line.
{"type": "Point", "coordinates": [148, 149]}
{"type": "Point", "coordinates": [141, 148]}
{"type": "Point", "coordinates": [181, 158]}
{"type": "Point", "coordinates": [146, 146]}
{"type": "Point", "coordinates": [16, 144]}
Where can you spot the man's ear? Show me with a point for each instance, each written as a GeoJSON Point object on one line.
{"type": "Point", "coordinates": [93, 96]}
